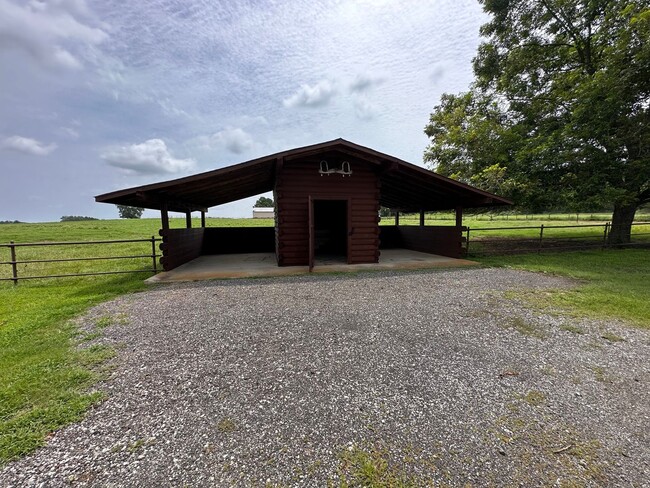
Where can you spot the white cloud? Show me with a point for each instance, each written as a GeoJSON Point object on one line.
{"type": "Point", "coordinates": [47, 31]}
{"type": "Point", "coordinates": [363, 109]}
{"type": "Point", "coordinates": [28, 146]}
{"type": "Point", "coordinates": [149, 157]}
{"type": "Point", "coordinates": [437, 74]}
{"type": "Point", "coordinates": [236, 140]}
{"type": "Point", "coordinates": [311, 96]}
{"type": "Point", "coordinates": [364, 82]}
{"type": "Point", "coordinates": [211, 60]}
{"type": "Point", "coordinates": [69, 132]}
{"type": "Point", "coordinates": [247, 120]}
{"type": "Point", "coordinates": [77, 7]}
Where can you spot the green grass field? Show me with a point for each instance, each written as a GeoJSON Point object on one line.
{"type": "Point", "coordinates": [616, 283]}
{"type": "Point", "coordinates": [92, 231]}
{"type": "Point", "coordinates": [506, 218]}
{"type": "Point", "coordinates": [109, 229]}
{"type": "Point", "coordinates": [45, 378]}
{"type": "Point", "coordinates": [557, 227]}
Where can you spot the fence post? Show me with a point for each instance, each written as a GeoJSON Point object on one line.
{"type": "Point", "coordinates": [605, 235]}
{"type": "Point", "coordinates": [541, 236]}
{"type": "Point", "coordinates": [153, 253]}
{"type": "Point", "coordinates": [14, 268]}
{"type": "Point", "coordinates": [467, 245]}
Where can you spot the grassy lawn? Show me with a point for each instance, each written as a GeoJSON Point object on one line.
{"type": "Point", "coordinates": [45, 378]}
{"type": "Point", "coordinates": [506, 219]}
{"type": "Point", "coordinates": [109, 229]}
{"type": "Point", "coordinates": [92, 231]}
{"type": "Point", "coordinates": [616, 283]}
{"type": "Point", "coordinates": [557, 228]}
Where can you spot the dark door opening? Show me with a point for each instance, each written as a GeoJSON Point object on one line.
{"type": "Point", "coordinates": [331, 230]}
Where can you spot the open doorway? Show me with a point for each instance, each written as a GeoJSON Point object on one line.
{"type": "Point", "coordinates": [330, 231]}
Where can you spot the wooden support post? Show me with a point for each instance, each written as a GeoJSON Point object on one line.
{"type": "Point", "coordinates": [202, 219]}
{"type": "Point", "coordinates": [164, 216]}
{"type": "Point", "coordinates": [396, 217]}
{"type": "Point", "coordinates": [541, 238]}
{"type": "Point", "coordinates": [188, 220]}
{"type": "Point", "coordinates": [279, 163]}
{"type": "Point", "coordinates": [422, 218]}
{"type": "Point", "coordinates": [459, 216]}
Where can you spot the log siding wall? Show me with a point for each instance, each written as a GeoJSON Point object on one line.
{"type": "Point", "coordinates": [296, 182]}
{"type": "Point", "coordinates": [236, 240]}
{"type": "Point", "coordinates": [444, 240]}
{"type": "Point", "coordinates": [180, 246]}
{"type": "Point", "coordinates": [300, 180]}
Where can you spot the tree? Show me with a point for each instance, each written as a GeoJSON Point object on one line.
{"type": "Point", "coordinates": [76, 218]}
{"type": "Point", "coordinates": [127, 212]}
{"type": "Point", "coordinates": [263, 202]}
{"type": "Point", "coordinates": [559, 103]}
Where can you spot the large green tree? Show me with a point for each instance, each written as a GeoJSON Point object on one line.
{"type": "Point", "coordinates": [127, 212]}
{"type": "Point", "coordinates": [559, 113]}
{"type": "Point", "coordinates": [263, 202]}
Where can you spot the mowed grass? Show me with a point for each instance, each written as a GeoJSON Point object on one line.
{"type": "Point", "coordinates": [95, 230]}
{"type": "Point", "coordinates": [615, 283]}
{"type": "Point", "coordinates": [504, 219]}
{"type": "Point", "coordinates": [46, 380]}
{"type": "Point", "coordinates": [109, 229]}
{"type": "Point", "coordinates": [516, 228]}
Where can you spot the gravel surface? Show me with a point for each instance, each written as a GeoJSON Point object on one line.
{"type": "Point", "coordinates": [447, 376]}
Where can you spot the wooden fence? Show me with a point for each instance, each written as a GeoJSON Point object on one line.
{"type": "Point", "coordinates": [14, 261]}
{"type": "Point", "coordinates": [512, 240]}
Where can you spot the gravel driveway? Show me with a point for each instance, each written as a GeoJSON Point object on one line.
{"type": "Point", "coordinates": [443, 375]}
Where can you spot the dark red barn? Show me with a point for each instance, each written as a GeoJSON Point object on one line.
{"type": "Point", "coordinates": [327, 200]}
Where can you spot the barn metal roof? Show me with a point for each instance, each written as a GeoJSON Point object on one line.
{"type": "Point", "coordinates": [404, 186]}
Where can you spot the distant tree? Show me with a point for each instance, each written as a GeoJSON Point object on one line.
{"type": "Point", "coordinates": [263, 202]}
{"type": "Point", "coordinates": [76, 218]}
{"type": "Point", "coordinates": [127, 212]}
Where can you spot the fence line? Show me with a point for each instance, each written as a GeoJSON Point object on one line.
{"type": "Point", "coordinates": [517, 217]}
{"type": "Point", "coordinates": [14, 262]}
{"type": "Point", "coordinates": [478, 245]}
{"type": "Point", "coordinates": [536, 243]}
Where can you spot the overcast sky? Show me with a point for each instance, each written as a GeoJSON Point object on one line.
{"type": "Point", "coordinates": [99, 95]}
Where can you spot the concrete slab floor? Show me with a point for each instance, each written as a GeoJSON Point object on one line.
{"type": "Point", "coordinates": [256, 265]}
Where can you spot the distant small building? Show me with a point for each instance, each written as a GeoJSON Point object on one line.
{"type": "Point", "coordinates": [263, 213]}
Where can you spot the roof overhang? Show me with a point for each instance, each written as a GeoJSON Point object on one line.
{"type": "Point", "coordinates": [404, 186]}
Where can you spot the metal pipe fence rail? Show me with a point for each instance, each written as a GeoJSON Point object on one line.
{"type": "Point", "coordinates": [548, 239]}
{"type": "Point", "coordinates": [515, 217]}
{"type": "Point", "coordinates": [14, 262]}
